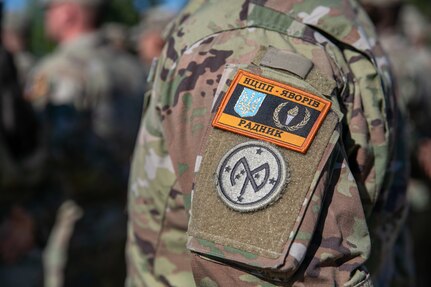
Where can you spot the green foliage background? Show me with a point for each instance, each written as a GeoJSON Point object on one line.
{"type": "Point", "coordinates": [121, 11]}
{"type": "Point", "coordinates": [424, 6]}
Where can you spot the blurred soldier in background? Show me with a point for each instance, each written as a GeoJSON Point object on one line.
{"type": "Point", "coordinates": [116, 35]}
{"type": "Point", "coordinates": [149, 34]}
{"type": "Point", "coordinates": [403, 34]}
{"type": "Point", "coordinates": [16, 26]}
{"type": "Point", "coordinates": [415, 26]}
{"type": "Point", "coordinates": [89, 97]}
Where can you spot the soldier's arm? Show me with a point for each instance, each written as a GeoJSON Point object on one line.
{"type": "Point", "coordinates": [320, 237]}
{"type": "Point", "coordinates": [220, 108]}
{"type": "Point", "coordinates": [157, 221]}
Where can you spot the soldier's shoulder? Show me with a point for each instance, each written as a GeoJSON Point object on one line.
{"type": "Point", "coordinates": [342, 21]}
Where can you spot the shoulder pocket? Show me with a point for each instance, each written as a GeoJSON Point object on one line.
{"type": "Point", "coordinates": [265, 164]}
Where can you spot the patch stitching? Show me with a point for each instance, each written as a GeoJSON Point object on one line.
{"type": "Point", "coordinates": [251, 173]}
{"type": "Point", "coordinates": [307, 111]}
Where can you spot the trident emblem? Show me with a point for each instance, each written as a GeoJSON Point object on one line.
{"type": "Point", "coordinates": [249, 103]}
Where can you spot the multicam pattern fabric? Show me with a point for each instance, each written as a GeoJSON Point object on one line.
{"type": "Point", "coordinates": [348, 230]}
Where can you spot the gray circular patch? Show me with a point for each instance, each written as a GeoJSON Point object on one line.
{"type": "Point", "coordinates": [251, 176]}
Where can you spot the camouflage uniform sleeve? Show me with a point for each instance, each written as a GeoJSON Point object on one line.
{"type": "Point", "coordinates": [155, 251]}
{"type": "Point", "coordinates": [332, 230]}
{"type": "Point", "coordinates": [156, 245]}
{"type": "Point", "coordinates": [331, 242]}
{"type": "Point", "coordinates": [316, 232]}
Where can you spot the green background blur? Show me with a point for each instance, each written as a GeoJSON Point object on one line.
{"type": "Point", "coordinates": [123, 11]}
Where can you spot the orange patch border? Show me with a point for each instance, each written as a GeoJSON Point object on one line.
{"type": "Point", "coordinates": [308, 140]}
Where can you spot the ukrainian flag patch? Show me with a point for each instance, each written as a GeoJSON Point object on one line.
{"type": "Point", "coordinates": [271, 111]}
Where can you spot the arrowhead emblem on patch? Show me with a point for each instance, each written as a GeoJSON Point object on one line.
{"type": "Point", "coordinates": [251, 176]}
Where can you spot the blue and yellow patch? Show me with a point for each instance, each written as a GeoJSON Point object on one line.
{"type": "Point", "coordinates": [268, 110]}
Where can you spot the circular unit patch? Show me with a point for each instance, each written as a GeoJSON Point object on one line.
{"type": "Point", "coordinates": [251, 176]}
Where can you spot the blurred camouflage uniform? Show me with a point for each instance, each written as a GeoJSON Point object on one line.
{"type": "Point", "coordinates": [16, 27]}
{"type": "Point", "coordinates": [116, 35]}
{"type": "Point", "coordinates": [403, 38]}
{"type": "Point", "coordinates": [148, 36]}
{"type": "Point", "coordinates": [412, 64]}
{"type": "Point", "coordinates": [345, 197]}
{"type": "Point", "coordinates": [89, 97]}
